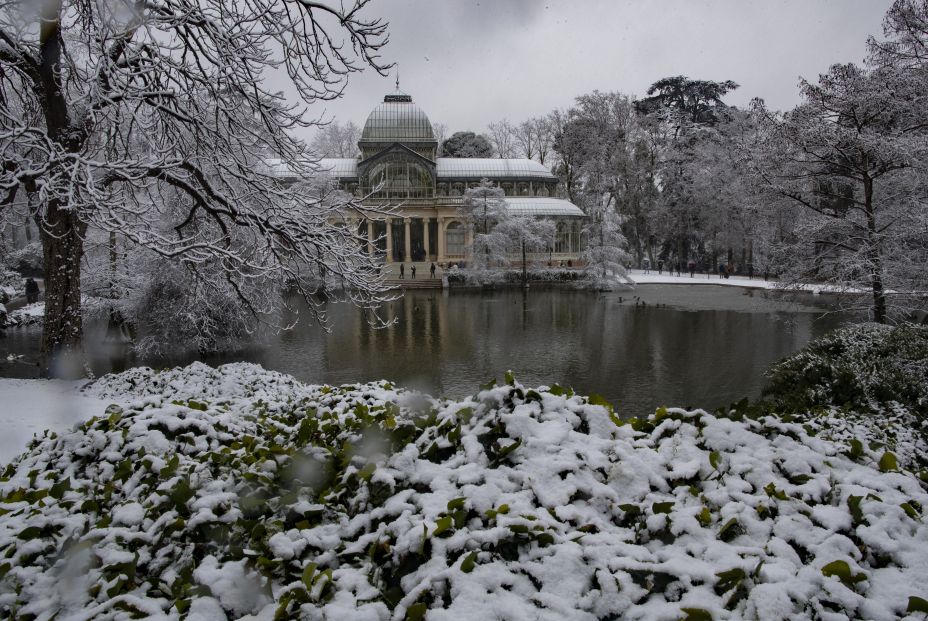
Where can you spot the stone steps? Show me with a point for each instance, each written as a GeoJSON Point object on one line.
{"type": "Point", "coordinates": [414, 283]}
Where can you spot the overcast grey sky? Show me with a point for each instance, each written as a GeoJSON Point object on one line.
{"type": "Point", "coordinates": [470, 62]}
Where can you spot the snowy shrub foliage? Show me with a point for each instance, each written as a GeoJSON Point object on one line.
{"type": "Point", "coordinates": [216, 493]}
{"type": "Point", "coordinates": [12, 285]}
{"type": "Point", "coordinates": [864, 367]}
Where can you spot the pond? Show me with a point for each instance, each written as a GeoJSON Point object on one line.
{"type": "Point", "coordinates": [676, 345]}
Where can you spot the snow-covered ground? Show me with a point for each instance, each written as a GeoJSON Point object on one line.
{"type": "Point", "coordinates": [26, 315]}
{"type": "Point", "coordinates": [29, 407]}
{"type": "Point", "coordinates": [653, 278]}
{"type": "Point", "coordinates": [758, 282]}
{"type": "Point", "coordinates": [241, 493]}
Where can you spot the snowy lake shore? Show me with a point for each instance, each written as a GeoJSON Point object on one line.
{"type": "Point", "coordinates": [30, 407]}
{"type": "Point", "coordinates": [238, 492]}
{"type": "Point", "coordinates": [757, 282]}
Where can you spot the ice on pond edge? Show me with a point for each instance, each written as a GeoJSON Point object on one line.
{"type": "Point", "coordinates": [239, 491]}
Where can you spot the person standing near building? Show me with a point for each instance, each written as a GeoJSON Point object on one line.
{"type": "Point", "coordinates": [412, 270]}
{"type": "Point", "coordinates": [432, 271]}
{"type": "Point", "coordinates": [402, 270]}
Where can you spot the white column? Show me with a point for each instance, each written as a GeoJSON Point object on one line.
{"type": "Point", "coordinates": [407, 241]}
{"type": "Point", "coordinates": [425, 237]}
{"type": "Point", "coordinates": [441, 240]}
{"type": "Point", "coordinates": [389, 240]}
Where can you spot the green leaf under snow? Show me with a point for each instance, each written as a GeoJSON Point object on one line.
{"type": "Point", "coordinates": [696, 614]}
{"type": "Point", "coordinates": [842, 571]}
{"type": "Point", "coordinates": [730, 530]}
{"type": "Point", "coordinates": [309, 573]}
{"type": "Point", "coordinates": [441, 525]}
{"type": "Point", "coordinates": [857, 449]}
{"type": "Point", "coordinates": [888, 462]}
{"type": "Point", "coordinates": [661, 507]}
{"type": "Point", "coordinates": [596, 399]}
{"type": "Point", "coordinates": [416, 612]}
{"type": "Point", "coordinates": [467, 565]}
{"type": "Point", "coordinates": [728, 580]}
{"type": "Point", "coordinates": [917, 604]}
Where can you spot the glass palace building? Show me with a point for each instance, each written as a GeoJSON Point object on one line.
{"type": "Point", "coordinates": [398, 167]}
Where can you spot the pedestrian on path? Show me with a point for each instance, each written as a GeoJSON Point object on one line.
{"type": "Point", "coordinates": [691, 265]}
{"type": "Point", "coordinates": [432, 271]}
{"type": "Point", "coordinates": [32, 291]}
{"type": "Point", "coordinates": [413, 271]}
{"type": "Point", "coordinates": [750, 271]}
{"type": "Point", "coordinates": [647, 265]}
{"type": "Point", "coordinates": [402, 270]}
{"type": "Point", "coordinates": [660, 267]}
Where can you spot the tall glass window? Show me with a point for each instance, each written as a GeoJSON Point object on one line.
{"type": "Point", "coordinates": [575, 237]}
{"type": "Point", "coordinates": [562, 240]}
{"type": "Point", "coordinates": [454, 235]}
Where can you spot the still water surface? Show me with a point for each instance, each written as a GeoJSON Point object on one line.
{"type": "Point", "coordinates": [700, 346]}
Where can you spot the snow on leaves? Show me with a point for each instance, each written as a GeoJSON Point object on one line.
{"type": "Point", "coordinates": [243, 491]}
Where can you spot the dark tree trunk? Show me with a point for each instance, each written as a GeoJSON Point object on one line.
{"type": "Point", "coordinates": [874, 256]}
{"type": "Point", "coordinates": [63, 246]}
{"type": "Point", "coordinates": [524, 268]}
{"type": "Point", "coordinates": [60, 229]}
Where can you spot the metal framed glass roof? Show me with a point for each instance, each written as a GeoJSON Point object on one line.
{"type": "Point", "coordinates": [539, 206]}
{"type": "Point", "coordinates": [397, 119]}
{"type": "Point", "coordinates": [336, 167]}
{"type": "Point", "coordinates": [339, 167]}
{"type": "Point", "coordinates": [491, 168]}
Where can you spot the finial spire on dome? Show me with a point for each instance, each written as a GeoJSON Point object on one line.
{"type": "Point", "coordinates": [398, 96]}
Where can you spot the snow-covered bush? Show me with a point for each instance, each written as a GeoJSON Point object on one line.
{"type": "Point", "coordinates": [864, 367]}
{"type": "Point", "coordinates": [238, 491]}
{"type": "Point", "coordinates": [27, 259]}
{"type": "Point", "coordinates": [536, 274]}
{"type": "Point", "coordinates": [12, 285]}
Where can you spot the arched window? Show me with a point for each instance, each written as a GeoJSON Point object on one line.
{"type": "Point", "coordinates": [542, 191]}
{"type": "Point", "coordinates": [454, 237]}
{"type": "Point", "coordinates": [398, 175]}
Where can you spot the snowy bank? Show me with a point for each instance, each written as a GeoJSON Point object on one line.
{"type": "Point", "coordinates": [653, 278]}
{"type": "Point", "coordinates": [30, 407]}
{"type": "Point", "coordinates": [30, 314]}
{"type": "Point", "coordinates": [236, 491]}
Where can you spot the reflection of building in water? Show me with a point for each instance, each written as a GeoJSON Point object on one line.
{"type": "Point", "coordinates": [398, 165]}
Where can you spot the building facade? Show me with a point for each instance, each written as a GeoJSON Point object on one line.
{"type": "Point", "coordinates": [398, 166]}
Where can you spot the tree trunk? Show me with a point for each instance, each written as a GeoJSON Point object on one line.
{"type": "Point", "coordinates": [874, 256]}
{"type": "Point", "coordinates": [524, 268]}
{"type": "Point", "coordinates": [62, 246]}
